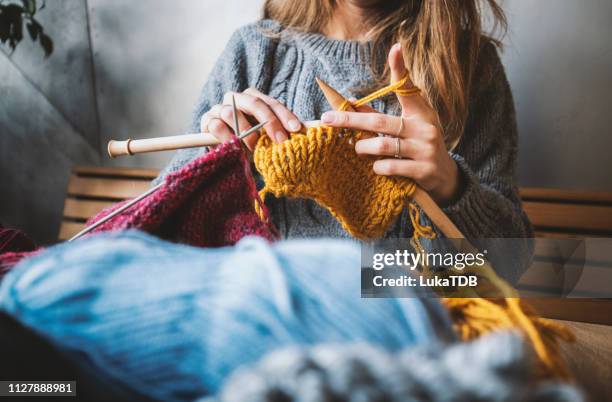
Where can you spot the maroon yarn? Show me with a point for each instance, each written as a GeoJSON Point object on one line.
{"type": "Point", "coordinates": [14, 245]}
{"type": "Point", "coordinates": [210, 202]}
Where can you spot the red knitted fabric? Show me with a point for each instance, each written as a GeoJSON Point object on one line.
{"type": "Point", "coordinates": [209, 203]}
{"type": "Point", "coordinates": [14, 245]}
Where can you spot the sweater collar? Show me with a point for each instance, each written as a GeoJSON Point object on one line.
{"type": "Point", "coordinates": [346, 50]}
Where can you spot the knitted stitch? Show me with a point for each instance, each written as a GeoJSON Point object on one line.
{"type": "Point", "coordinates": [14, 246]}
{"type": "Point", "coordinates": [321, 165]}
{"type": "Point", "coordinates": [209, 203]}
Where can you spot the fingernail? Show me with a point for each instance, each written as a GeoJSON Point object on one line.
{"type": "Point", "coordinates": [397, 45]}
{"type": "Point", "coordinates": [328, 117]}
{"type": "Point", "coordinates": [280, 136]}
{"type": "Point", "coordinates": [294, 125]}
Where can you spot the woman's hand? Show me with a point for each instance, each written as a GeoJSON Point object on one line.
{"type": "Point", "coordinates": [252, 106]}
{"type": "Point", "coordinates": [422, 153]}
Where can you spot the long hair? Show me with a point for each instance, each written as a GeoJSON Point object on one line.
{"type": "Point", "coordinates": [441, 40]}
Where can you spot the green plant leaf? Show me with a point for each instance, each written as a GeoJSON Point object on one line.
{"type": "Point", "coordinates": [4, 25]}
{"type": "Point", "coordinates": [46, 43]}
{"type": "Point", "coordinates": [14, 20]}
{"type": "Point", "coordinates": [29, 6]}
{"type": "Point", "coordinates": [34, 29]}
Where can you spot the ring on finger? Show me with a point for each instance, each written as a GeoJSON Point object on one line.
{"type": "Point", "coordinates": [397, 148]}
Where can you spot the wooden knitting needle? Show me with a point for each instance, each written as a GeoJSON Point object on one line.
{"type": "Point", "coordinates": [169, 143]}
{"type": "Point", "coordinates": [146, 194]}
{"type": "Point", "coordinates": [433, 211]}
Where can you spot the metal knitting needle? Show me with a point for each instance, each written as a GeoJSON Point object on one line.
{"type": "Point", "coordinates": [117, 211]}
{"type": "Point", "coordinates": [235, 110]}
{"type": "Point", "coordinates": [252, 130]}
{"type": "Point", "coordinates": [146, 194]}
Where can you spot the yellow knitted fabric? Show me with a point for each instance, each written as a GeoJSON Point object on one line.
{"type": "Point", "coordinates": [321, 164]}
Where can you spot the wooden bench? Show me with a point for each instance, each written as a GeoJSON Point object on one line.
{"type": "Point", "coordinates": [554, 214]}
{"type": "Point", "coordinates": [90, 189]}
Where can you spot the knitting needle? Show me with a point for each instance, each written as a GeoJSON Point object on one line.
{"type": "Point", "coordinates": [146, 194]}
{"type": "Point", "coordinates": [168, 143]}
{"type": "Point", "coordinates": [117, 211]}
{"type": "Point", "coordinates": [433, 211]}
{"type": "Point", "coordinates": [235, 111]}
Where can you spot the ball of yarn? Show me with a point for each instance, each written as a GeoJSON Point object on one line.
{"type": "Point", "coordinates": [493, 368]}
{"type": "Point", "coordinates": [172, 321]}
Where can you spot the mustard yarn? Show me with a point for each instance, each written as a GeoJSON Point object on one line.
{"type": "Point", "coordinates": [321, 164]}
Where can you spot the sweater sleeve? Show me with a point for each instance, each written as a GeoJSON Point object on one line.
{"type": "Point", "coordinates": [489, 206]}
{"type": "Point", "coordinates": [240, 66]}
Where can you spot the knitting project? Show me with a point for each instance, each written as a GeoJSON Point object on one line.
{"type": "Point", "coordinates": [321, 164]}
{"type": "Point", "coordinates": [210, 202]}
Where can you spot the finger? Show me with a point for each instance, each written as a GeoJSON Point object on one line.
{"type": "Point", "coordinates": [417, 171]}
{"type": "Point", "coordinates": [411, 104]}
{"type": "Point", "coordinates": [227, 115]}
{"type": "Point", "coordinates": [220, 130]}
{"type": "Point", "coordinates": [262, 113]}
{"type": "Point", "coordinates": [213, 113]}
{"type": "Point", "coordinates": [373, 122]}
{"type": "Point", "coordinates": [387, 146]}
{"type": "Point", "coordinates": [287, 118]}
{"type": "Point", "coordinates": [366, 109]}
{"type": "Point", "coordinates": [251, 140]}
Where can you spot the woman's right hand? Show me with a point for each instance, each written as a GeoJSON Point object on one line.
{"type": "Point", "coordinates": [252, 106]}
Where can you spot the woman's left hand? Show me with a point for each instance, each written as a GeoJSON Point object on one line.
{"type": "Point", "coordinates": [416, 135]}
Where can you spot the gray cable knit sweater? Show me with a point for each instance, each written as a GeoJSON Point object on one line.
{"type": "Point", "coordinates": [286, 68]}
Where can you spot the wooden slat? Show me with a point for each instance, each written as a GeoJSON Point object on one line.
{"type": "Point", "coordinates": [569, 216]}
{"type": "Point", "coordinates": [596, 311]}
{"type": "Point", "coordinates": [546, 279]}
{"type": "Point", "coordinates": [564, 196]}
{"type": "Point", "coordinates": [148, 174]}
{"type": "Point", "coordinates": [69, 229]}
{"type": "Point", "coordinates": [106, 188]}
{"type": "Point", "coordinates": [83, 209]}
{"type": "Point", "coordinates": [557, 235]}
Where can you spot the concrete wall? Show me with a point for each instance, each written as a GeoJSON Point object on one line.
{"type": "Point", "coordinates": [559, 62]}
{"type": "Point", "coordinates": [47, 121]}
{"type": "Point", "coordinates": [152, 59]}
{"type": "Point", "coordinates": [134, 69]}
